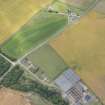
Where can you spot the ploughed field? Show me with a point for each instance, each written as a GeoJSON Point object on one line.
{"type": "Point", "coordinates": [11, 97]}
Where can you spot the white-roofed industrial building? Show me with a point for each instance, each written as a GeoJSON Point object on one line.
{"type": "Point", "coordinates": [72, 88]}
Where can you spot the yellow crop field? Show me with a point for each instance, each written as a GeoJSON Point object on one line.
{"type": "Point", "coordinates": [83, 47]}
{"type": "Point", "coordinates": [15, 13]}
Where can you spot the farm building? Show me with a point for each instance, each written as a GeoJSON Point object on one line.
{"type": "Point", "coordinates": [72, 88]}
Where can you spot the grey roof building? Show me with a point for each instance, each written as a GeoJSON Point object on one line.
{"type": "Point", "coordinates": [72, 88]}
{"type": "Point", "coordinates": [67, 80]}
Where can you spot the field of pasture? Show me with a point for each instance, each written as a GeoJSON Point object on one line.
{"type": "Point", "coordinates": [42, 26]}
{"type": "Point", "coordinates": [15, 13]}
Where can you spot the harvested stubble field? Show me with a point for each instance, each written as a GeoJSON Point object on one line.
{"type": "Point", "coordinates": [39, 29]}
{"type": "Point", "coordinates": [82, 47]}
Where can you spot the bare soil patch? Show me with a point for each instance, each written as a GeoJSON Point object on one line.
{"type": "Point", "coordinates": [11, 97]}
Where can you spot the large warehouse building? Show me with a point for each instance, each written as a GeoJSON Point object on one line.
{"type": "Point", "coordinates": [72, 88]}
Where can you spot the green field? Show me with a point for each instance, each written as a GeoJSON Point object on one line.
{"type": "Point", "coordinates": [48, 60]}
{"type": "Point", "coordinates": [41, 27]}
{"type": "Point", "coordinates": [15, 13]}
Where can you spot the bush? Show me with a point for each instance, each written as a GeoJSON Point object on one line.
{"type": "Point", "coordinates": [12, 77]}
{"type": "Point", "coordinates": [12, 58]}
{"type": "Point", "coordinates": [48, 93]}
{"type": "Point", "coordinates": [16, 80]}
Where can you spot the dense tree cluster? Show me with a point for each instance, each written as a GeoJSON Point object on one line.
{"type": "Point", "coordinates": [4, 65]}
{"type": "Point", "coordinates": [12, 77]}
{"type": "Point", "coordinates": [48, 93]}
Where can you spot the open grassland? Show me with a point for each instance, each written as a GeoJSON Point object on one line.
{"type": "Point", "coordinates": [48, 61]}
{"type": "Point", "coordinates": [41, 27]}
{"type": "Point", "coordinates": [11, 97]}
{"type": "Point", "coordinates": [82, 47]}
{"type": "Point", "coordinates": [15, 13]}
